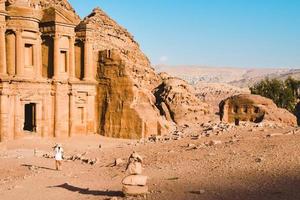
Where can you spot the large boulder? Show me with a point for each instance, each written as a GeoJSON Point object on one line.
{"type": "Point", "coordinates": [177, 100]}
{"type": "Point", "coordinates": [255, 108]}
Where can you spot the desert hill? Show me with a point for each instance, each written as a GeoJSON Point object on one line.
{"type": "Point", "coordinates": [240, 77]}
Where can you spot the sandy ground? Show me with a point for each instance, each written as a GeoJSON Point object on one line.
{"type": "Point", "coordinates": [246, 165]}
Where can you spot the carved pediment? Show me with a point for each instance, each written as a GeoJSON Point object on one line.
{"type": "Point", "coordinates": [58, 15]}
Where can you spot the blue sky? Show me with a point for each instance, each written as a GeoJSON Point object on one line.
{"type": "Point", "coordinates": [235, 33]}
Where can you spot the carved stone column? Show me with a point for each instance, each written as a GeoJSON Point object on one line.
{"type": "Point", "coordinates": [3, 66]}
{"type": "Point", "coordinates": [72, 58]}
{"type": "Point", "coordinates": [56, 58]}
{"type": "Point", "coordinates": [38, 56]}
{"type": "Point", "coordinates": [4, 118]}
{"type": "Point", "coordinates": [19, 53]}
{"type": "Point", "coordinates": [71, 113]}
{"type": "Point", "coordinates": [88, 61]}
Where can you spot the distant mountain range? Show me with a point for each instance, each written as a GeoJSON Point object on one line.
{"type": "Point", "coordinates": [241, 77]}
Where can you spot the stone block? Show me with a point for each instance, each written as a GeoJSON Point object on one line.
{"type": "Point", "coordinates": [134, 190]}
{"type": "Point", "coordinates": [135, 180]}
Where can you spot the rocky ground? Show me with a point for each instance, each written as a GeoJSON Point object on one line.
{"type": "Point", "coordinates": [213, 161]}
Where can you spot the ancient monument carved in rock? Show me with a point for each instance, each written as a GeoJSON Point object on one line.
{"type": "Point", "coordinates": [254, 108]}
{"type": "Point", "coordinates": [48, 84]}
{"type": "Point", "coordinates": [62, 76]}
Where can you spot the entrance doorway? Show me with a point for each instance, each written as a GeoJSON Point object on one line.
{"type": "Point", "coordinates": [30, 117]}
{"type": "Point", "coordinates": [237, 121]}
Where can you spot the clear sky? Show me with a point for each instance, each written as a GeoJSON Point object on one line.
{"type": "Point", "coordinates": [236, 33]}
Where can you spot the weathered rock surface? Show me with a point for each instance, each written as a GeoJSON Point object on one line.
{"type": "Point", "coordinates": [126, 104]}
{"type": "Point", "coordinates": [135, 168]}
{"type": "Point", "coordinates": [135, 180]}
{"type": "Point", "coordinates": [134, 190]}
{"type": "Point", "coordinates": [176, 99]}
{"type": "Point", "coordinates": [216, 92]}
{"type": "Point", "coordinates": [255, 108]}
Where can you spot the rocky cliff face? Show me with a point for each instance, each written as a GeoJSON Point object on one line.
{"type": "Point", "coordinates": [108, 35]}
{"type": "Point", "coordinates": [177, 100]}
{"type": "Point", "coordinates": [126, 109]}
{"type": "Point", "coordinates": [126, 104]}
{"type": "Point", "coordinates": [129, 86]}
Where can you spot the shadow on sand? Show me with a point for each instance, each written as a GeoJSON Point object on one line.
{"type": "Point", "coordinates": [87, 191]}
{"type": "Point", "coordinates": [38, 167]}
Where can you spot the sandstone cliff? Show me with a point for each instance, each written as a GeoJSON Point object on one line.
{"type": "Point", "coordinates": [126, 105]}
{"type": "Point", "coordinates": [177, 100]}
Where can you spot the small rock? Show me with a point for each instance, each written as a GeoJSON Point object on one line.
{"type": "Point", "coordinates": [191, 145]}
{"type": "Point", "coordinates": [274, 134]}
{"type": "Point", "coordinates": [118, 161]}
{"type": "Point", "coordinates": [214, 142]}
{"type": "Point", "coordinates": [198, 192]}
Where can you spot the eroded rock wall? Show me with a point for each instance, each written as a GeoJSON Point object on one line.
{"type": "Point", "coordinates": [177, 100]}
{"type": "Point", "coordinates": [125, 109]}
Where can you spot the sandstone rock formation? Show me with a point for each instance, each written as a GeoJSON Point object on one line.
{"type": "Point", "coordinates": [254, 108]}
{"type": "Point", "coordinates": [177, 100]}
{"type": "Point", "coordinates": [126, 104]}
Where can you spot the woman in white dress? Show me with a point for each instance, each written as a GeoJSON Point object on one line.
{"type": "Point", "coordinates": [58, 155]}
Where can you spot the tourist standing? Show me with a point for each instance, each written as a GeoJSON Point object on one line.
{"type": "Point", "coordinates": [58, 155]}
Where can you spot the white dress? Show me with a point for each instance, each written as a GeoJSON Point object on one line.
{"type": "Point", "coordinates": [58, 152]}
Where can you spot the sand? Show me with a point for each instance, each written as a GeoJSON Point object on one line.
{"type": "Point", "coordinates": [246, 165]}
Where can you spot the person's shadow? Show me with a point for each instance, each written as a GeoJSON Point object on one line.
{"type": "Point", "coordinates": [38, 167]}
{"type": "Point", "coordinates": [87, 191]}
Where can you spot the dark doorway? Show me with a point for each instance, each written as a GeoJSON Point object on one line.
{"type": "Point", "coordinates": [30, 117]}
{"type": "Point", "coordinates": [237, 121]}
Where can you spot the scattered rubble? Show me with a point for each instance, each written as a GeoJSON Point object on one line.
{"type": "Point", "coordinates": [77, 157]}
